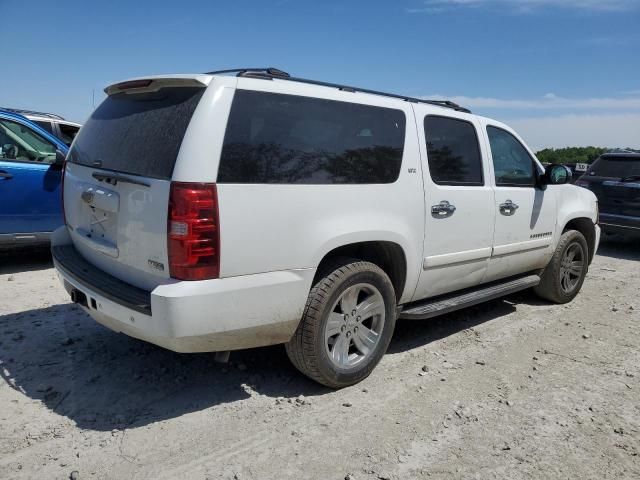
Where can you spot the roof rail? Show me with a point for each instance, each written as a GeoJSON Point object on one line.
{"type": "Point", "coordinates": [32, 112]}
{"type": "Point", "coordinates": [241, 72]}
{"type": "Point", "coordinates": [271, 73]}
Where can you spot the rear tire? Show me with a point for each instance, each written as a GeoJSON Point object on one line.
{"type": "Point", "coordinates": [347, 324]}
{"type": "Point", "coordinates": [562, 279]}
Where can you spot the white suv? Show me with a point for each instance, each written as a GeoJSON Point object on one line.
{"type": "Point", "coordinates": [215, 212]}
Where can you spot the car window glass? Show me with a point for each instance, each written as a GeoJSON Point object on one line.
{"type": "Point", "coordinates": [139, 133]}
{"type": "Point", "coordinates": [615, 166]}
{"type": "Point", "coordinates": [67, 132]}
{"type": "Point", "coordinates": [512, 164]}
{"type": "Point", "coordinates": [453, 151]}
{"type": "Point", "coordinates": [44, 124]}
{"type": "Point", "coordinates": [277, 138]}
{"type": "Point", "coordinates": [19, 143]}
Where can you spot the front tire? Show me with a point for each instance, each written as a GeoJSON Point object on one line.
{"type": "Point", "coordinates": [563, 277]}
{"type": "Point", "coordinates": [347, 324]}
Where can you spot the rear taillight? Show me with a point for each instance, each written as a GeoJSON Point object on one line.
{"type": "Point", "coordinates": [193, 235]}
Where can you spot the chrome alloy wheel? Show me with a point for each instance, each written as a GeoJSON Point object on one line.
{"type": "Point", "coordinates": [571, 267]}
{"type": "Point", "coordinates": [355, 325]}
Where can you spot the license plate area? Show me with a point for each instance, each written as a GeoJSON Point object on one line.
{"type": "Point", "coordinates": [97, 223]}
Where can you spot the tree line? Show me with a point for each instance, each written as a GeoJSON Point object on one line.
{"type": "Point", "coordinates": [573, 155]}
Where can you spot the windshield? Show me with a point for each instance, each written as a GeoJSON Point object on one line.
{"type": "Point", "coordinates": [617, 167]}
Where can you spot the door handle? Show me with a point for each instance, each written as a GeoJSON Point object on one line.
{"type": "Point", "coordinates": [508, 208]}
{"type": "Point", "coordinates": [443, 210]}
{"type": "Point", "coordinates": [6, 176]}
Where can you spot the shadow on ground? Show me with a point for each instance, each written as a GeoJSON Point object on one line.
{"type": "Point", "coordinates": [103, 380]}
{"type": "Point", "coordinates": [622, 247]}
{"type": "Point", "coordinates": [24, 260]}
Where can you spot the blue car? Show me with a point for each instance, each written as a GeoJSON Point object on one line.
{"type": "Point", "coordinates": [31, 161]}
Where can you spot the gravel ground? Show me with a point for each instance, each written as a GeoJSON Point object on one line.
{"type": "Point", "coordinates": [515, 389]}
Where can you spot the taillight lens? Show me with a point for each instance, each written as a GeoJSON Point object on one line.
{"type": "Point", "coordinates": [193, 235]}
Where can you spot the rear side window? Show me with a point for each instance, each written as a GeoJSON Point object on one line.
{"type": "Point", "coordinates": [618, 167]}
{"type": "Point", "coordinates": [276, 138]}
{"type": "Point", "coordinates": [138, 134]}
{"type": "Point", "coordinates": [453, 151]}
{"type": "Point", "coordinates": [44, 124]}
{"type": "Point", "coordinates": [68, 132]}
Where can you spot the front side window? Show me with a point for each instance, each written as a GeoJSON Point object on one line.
{"type": "Point", "coordinates": [21, 144]}
{"type": "Point", "coordinates": [453, 151]}
{"type": "Point", "coordinates": [512, 164]}
{"type": "Point", "coordinates": [289, 139]}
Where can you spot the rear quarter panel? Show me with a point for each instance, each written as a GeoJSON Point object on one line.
{"type": "Point", "coordinates": [271, 227]}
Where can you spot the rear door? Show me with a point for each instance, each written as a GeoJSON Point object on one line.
{"type": "Point", "coordinates": [459, 203]}
{"type": "Point", "coordinates": [118, 177]}
{"type": "Point", "coordinates": [29, 183]}
{"type": "Point", "coordinates": [525, 216]}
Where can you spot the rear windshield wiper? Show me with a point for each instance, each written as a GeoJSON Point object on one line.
{"type": "Point", "coordinates": [630, 178]}
{"type": "Point", "coordinates": [114, 178]}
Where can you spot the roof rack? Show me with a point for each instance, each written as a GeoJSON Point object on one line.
{"type": "Point", "coordinates": [270, 73]}
{"type": "Point", "coordinates": [32, 112]}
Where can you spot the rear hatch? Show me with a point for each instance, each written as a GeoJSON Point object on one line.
{"type": "Point", "coordinates": [615, 180]}
{"type": "Point", "coordinates": [118, 176]}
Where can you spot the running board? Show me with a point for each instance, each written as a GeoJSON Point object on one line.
{"type": "Point", "coordinates": [455, 301]}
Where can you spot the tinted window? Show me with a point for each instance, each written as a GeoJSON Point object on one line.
{"type": "Point", "coordinates": [44, 124]}
{"type": "Point", "coordinates": [512, 164]}
{"type": "Point", "coordinates": [618, 167]}
{"type": "Point", "coordinates": [139, 134]}
{"type": "Point", "coordinates": [275, 138]}
{"type": "Point", "coordinates": [19, 143]}
{"type": "Point", "coordinates": [452, 151]}
{"type": "Point", "coordinates": [68, 132]}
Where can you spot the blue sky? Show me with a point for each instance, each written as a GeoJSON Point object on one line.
{"type": "Point", "coordinates": [562, 72]}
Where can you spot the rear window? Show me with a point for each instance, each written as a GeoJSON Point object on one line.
{"type": "Point", "coordinates": [276, 138]}
{"type": "Point", "coordinates": [138, 134]}
{"type": "Point", "coordinates": [618, 167]}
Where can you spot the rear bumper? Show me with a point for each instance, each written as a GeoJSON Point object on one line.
{"type": "Point", "coordinates": [205, 316]}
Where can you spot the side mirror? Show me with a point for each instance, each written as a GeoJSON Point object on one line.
{"type": "Point", "coordinates": [556, 175]}
{"type": "Point", "coordinates": [60, 158]}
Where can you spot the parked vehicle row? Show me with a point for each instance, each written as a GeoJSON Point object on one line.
{"type": "Point", "coordinates": [211, 212]}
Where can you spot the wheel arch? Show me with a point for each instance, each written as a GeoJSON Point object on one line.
{"type": "Point", "coordinates": [585, 226]}
{"type": "Point", "coordinates": [388, 255]}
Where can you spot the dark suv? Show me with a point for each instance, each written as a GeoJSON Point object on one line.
{"type": "Point", "coordinates": [615, 179]}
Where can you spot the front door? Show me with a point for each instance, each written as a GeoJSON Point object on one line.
{"type": "Point", "coordinates": [459, 204]}
{"type": "Point", "coordinates": [29, 183]}
{"type": "Point", "coordinates": [525, 219]}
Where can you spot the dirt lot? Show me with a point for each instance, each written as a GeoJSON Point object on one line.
{"type": "Point", "coordinates": [512, 389]}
